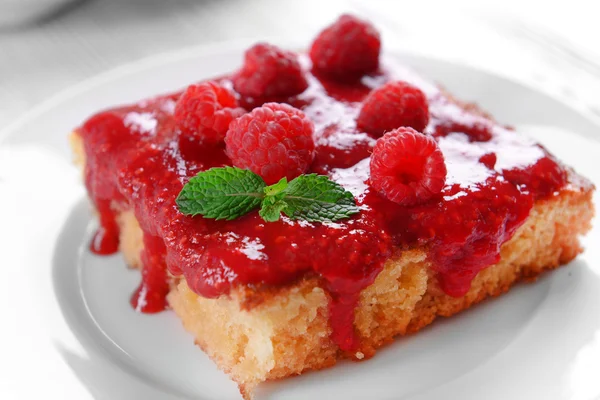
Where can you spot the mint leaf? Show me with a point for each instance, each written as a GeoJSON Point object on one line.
{"type": "Point", "coordinates": [316, 198]}
{"type": "Point", "coordinates": [229, 193]}
{"type": "Point", "coordinates": [271, 209]}
{"type": "Point", "coordinates": [273, 203]}
{"type": "Point", "coordinates": [221, 193]}
{"type": "Point", "coordinates": [276, 188]}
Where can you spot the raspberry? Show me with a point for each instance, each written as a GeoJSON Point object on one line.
{"type": "Point", "coordinates": [407, 167]}
{"type": "Point", "coordinates": [205, 110]}
{"type": "Point", "coordinates": [269, 71]}
{"type": "Point", "coordinates": [274, 141]}
{"type": "Point", "coordinates": [347, 49]}
{"type": "Point", "coordinates": [393, 105]}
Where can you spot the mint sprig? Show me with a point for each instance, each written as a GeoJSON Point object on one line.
{"type": "Point", "coordinates": [229, 193]}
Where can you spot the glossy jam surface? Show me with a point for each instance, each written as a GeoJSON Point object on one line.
{"type": "Point", "coordinates": [137, 160]}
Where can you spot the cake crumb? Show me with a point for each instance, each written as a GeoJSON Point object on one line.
{"type": "Point", "coordinates": [359, 355]}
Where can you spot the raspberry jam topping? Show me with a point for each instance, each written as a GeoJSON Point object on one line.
{"type": "Point", "coordinates": [137, 159]}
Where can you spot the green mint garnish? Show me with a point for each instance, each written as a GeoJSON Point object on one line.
{"type": "Point", "coordinates": [221, 193]}
{"type": "Point", "coordinates": [317, 198]}
{"type": "Point", "coordinates": [229, 193]}
{"type": "Point", "coordinates": [271, 209]}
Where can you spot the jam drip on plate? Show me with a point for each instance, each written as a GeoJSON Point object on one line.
{"type": "Point", "coordinates": [137, 160]}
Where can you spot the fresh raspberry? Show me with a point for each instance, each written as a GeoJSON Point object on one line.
{"type": "Point", "coordinates": [205, 110]}
{"type": "Point", "coordinates": [393, 105]}
{"type": "Point", "coordinates": [274, 141]}
{"type": "Point", "coordinates": [268, 72]}
{"type": "Point", "coordinates": [407, 167]}
{"type": "Point", "coordinates": [347, 49]}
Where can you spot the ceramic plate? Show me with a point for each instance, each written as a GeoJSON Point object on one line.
{"type": "Point", "coordinates": [70, 333]}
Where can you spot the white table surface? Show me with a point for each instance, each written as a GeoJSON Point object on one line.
{"type": "Point", "coordinates": [553, 47]}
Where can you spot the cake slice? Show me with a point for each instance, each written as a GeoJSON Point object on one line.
{"type": "Point", "coordinates": [435, 205]}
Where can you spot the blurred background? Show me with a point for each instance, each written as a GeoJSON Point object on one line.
{"type": "Point", "coordinates": [49, 45]}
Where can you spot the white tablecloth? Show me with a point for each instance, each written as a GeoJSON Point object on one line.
{"type": "Point", "coordinates": [553, 47]}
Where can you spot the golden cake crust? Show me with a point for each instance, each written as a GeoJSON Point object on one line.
{"type": "Point", "coordinates": [257, 334]}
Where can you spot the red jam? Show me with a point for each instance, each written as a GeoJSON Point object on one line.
{"type": "Point", "coordinates": [136, 159]}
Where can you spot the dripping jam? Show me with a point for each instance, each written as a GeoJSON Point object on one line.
{"type": "Point", "coordinates": [137, 160]}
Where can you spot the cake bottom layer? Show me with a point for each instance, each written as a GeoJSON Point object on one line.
{"type": "Point", "coordinates": [257, 335]}
{"type": "Point", "coordinates": [260, 335]}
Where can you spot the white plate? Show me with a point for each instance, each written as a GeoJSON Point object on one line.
{"type": "Point", "coordinates": [69, 332]}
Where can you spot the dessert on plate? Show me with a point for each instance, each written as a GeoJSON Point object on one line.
{"type": "Point", "coordinates": [311, 207]}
